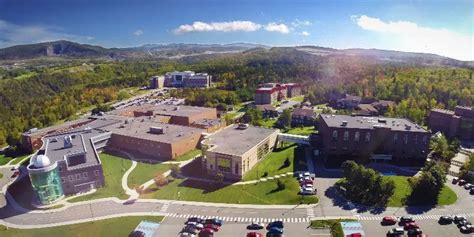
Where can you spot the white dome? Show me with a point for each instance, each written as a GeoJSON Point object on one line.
{"type": "Point", "coordinates": [41, 161]}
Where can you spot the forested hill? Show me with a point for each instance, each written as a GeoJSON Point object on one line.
{"type": "Point", "coordinates": [39, 93]}
{"type": "Point", "coordinates": [72, 50]}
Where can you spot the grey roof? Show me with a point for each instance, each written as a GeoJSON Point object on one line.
{"type": "Point", "coordinates": [360, 122]}
{"type": "Point", "coordinates": [81, 143]}
{"type": "Point", "coordinates": [303, 112]}
{"type": "Point", "coordinates": [140, 127]}
{"type": "Point", "coordinates": [169, 110]}
{"type": "Point", "coordinates": [233, 141]}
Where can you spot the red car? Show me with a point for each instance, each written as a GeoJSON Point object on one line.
{"type": "Point", "coordinates": [355, 235]}
{"type": "Point", "coordinates": [390, 220]}
{"type": "Point", "coordinates": [411, 225]}
{"type": "Point", "coordinates": [254, 234]}
{"type": "Point", "coordinates": [422, 235]}
{"type": "Point", "coordinates": [212, 227]}
{"type": "Point", "coordinates": [206, 231]}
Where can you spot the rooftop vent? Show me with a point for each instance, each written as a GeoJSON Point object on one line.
{"type": "Point", "coordinates": [242, 126]}
{"type": "Point", "coordinates": [176, 108]}
{"type": "Point", "coordinates": [407, 127]}
{"type": "Point", "coordinates": [382, 120]}
{"type": "Point", "coordinates": [344, 123]}
{"type": "Point", "coordinates": [157, 130]}
{"type": "Point", "coordinates": [67, 142]}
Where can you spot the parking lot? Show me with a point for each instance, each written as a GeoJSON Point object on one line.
{"type": "Point", "coordinates": [430, 227]}
{"type": "Point", "coordinates": [172, 226]}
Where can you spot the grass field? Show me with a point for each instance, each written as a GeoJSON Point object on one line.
{"type": "Point", "coordinates": [297, 98]}
{"type": "Point", "coordinates": [268, 123]}
{"type": "Point", "coordinates": [273, 163]}
{"type": "Point", "coordinates": [144, 172]}
{"type": "Point", "coordinates": [113, 167]}
{"type": "Point", "coordinates": [261, 193]}
{"type": "Point", "coordinates": [188, 155]}
{"type": "Point", "coordinates": [5, 159]}
{"type": "Point", "coordinates": [305, 131]}
{"type": "Point", "coordinates": [112, 227]}
{"type": "Point", "coordinates": [334, 225]}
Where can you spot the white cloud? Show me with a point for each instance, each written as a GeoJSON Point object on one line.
{"type": "Point", "coordinates": [138, 32]}
{"type": "Point", "coordinates": [298, 23]}
{"type": "Point", "coordinates": [13, 34]}
{"type": "Point", "coordinates": [274, 27]}
{"type": "Point", "coordinates": [305, 33]}
{"type": "Point", "coordinates": [229, 26]}
{"type": "Point", "coordinates": [412, 37]}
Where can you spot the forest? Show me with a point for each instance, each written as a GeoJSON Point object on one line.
{"type": "Point", "coordinates": [42, 96]}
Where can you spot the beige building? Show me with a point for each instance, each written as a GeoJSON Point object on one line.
{"type": "Point", "coordinates": [234, 150]}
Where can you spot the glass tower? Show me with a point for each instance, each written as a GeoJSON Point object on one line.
{"type": "Point", "coordinates": [46, 183]}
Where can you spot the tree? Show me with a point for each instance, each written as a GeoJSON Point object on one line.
{"type": "Point", "coordinates": [426, 187]}
{"type": "Point", "coordinates": [440, 148]}
{"type": "Point", "coordinates": [252, 116]}
{"type": "Point", "coordinates": [175, 170]}
{"type": "Point", "coordinates": [160, 180]}
{"type": "Point", "coordinates": [284, 121]}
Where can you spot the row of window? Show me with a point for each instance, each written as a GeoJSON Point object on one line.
{"type": "Point", "coordinates": [79, 176]}
{"type": "Point", "coordinates": [367, 137]}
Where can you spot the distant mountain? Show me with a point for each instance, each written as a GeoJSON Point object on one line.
{"type": "Point", "coordinates": [195, 52]}
{"type": "Point", "coordinates": [60, 48]}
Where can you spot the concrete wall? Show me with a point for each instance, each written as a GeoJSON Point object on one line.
{"type": "Point", "coordinates": [80, 180]}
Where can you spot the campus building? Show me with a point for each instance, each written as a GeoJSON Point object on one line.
{"type": "Point", "coordinates": [376, 138]}
{"type": "Point", "coordinates": [458, 123]}
{"type": "Point", "coordinates": [157, 82]}
{"type": "Point", "coordinates": [234, 150]}
{"type": "Point", "coordinates": [187, 79]}
{"type": "Point", "coordinates": [68, 163]}
{"type": "Point", "coordinates": [270, 93]}
{"type": "Point", "coordinates": [303, 117]}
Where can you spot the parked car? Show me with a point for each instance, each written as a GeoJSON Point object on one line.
{"type": "Point", "coordinates": [463, 223]}
{"type": "Point", "coordinates": [189, 229]}
{"type": "Point", "coordinates": [406, 219]}
{"type": "Point", "coordinates": [254, 234]}
{"type": "Point", "coordinates": [396, 232]}
{"type": "Point", "coordinates": [455, 180]}
{"type": "Point", "coordinates": [307, 185]}
{"type": "Point", "coordinates": [467, 186]}
{"type": "Point", "coordinates": [457, 219]}
{"type": "Point", "coordinates": [278, 224]}
{"type": "Point", "coordinates": [461, 182]}
{"type": "Point", "coordinates": [466, 229]}
{"type": "Point", "coordinates": [214, 227]}
{"type": "Point", "coordinates": [411, 225]}
{"type": "Point", "coordinates": [214, 221]}
{"type": "Point", "coordinates": [195, 219]}
{"type": "Point", "coordinates": [414, 232]}
{"type": "Point", "coordinates": [471, 191]}
{"type": "Point", "coordinates": [206, 233]}
{"type": "Point", "coordinates": [306, 180]}
{"type": "Point", "coordinates": [445, 220]}
{"type": "Point", "coordinates": [275, 229]}
{"type": "Point", "coordinates": [185, 234]}
{"type": "Point", "coordinates": [389, 220]}
{"type": "Point", "coordinates": [270, 234]}
{"type": "Point", "coordinates": [355, 235]}
{"type": "Point", "coordinates": [255, 226]}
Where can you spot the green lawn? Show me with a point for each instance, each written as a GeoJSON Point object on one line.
{"type": "Point", "coordinates": [305, 131]}
{"type": "Point", "coordinates": [261, 193]}
{"type": "Point", "coordinates": [114, 168]}
{"type": "Point", "coordinates": [403, 191]}
{"type": "Point", "coordinates": [111, 227]}
{"type": "Point", "coordinates": [297, 98]}
{"type": "Point", "coordinates": [334, 225]}
{"type": "Point", "coordinates": [144, 172]}
{"type": "Point", "coordinates": [273, 163]}
{"type": "Point", "coordinates": [5, 159]}
{"type": "Point", "coordinates": [188, 155]}
{"type": "Point", "coordinates": [268, 123]}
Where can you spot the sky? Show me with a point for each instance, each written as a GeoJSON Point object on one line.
{"type": "Point", "coordinates": [444, 27]}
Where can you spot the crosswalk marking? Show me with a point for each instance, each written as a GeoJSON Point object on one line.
{"type": "Point", "coordinates": [262, 220]}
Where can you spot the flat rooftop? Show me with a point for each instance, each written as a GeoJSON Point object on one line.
{"type": "Point", "coordinates": [233, 141]}
{"type": "Point", "coordinates": [168, 110]}
{"type": "Point", "coordinates": [361, 122]}
{"type": "Point", "coordinates": [81, 143]}
{"type": "Point", "coordinates": [140, 128]}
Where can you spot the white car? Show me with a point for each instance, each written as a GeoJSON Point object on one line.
{"type": "Point", "coordinates": [307, 174]}
{"type": "Point", "coordinates": [307, 191]}
{"type": "Point", "coordinates": [307, 186]}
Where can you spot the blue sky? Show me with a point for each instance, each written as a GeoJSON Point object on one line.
{"type": "Point", "coordinates": [442, 27]}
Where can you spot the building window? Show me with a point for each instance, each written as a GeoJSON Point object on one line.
{"type": "Point", "coordinates": [96, 172]}
{"type": "Point", "coordinates": [367, 137]}
{"type": "Point", "coordinates": [211, 167]}
{"type": "Point", "coordinates": [223, 165]}
{"type": "Point", "coordinates": [425, 139]}
{"type": "Point", "coordinates": [405, 139]}
{"type": "Point", "coordinates": [78, 176]}
{"type": "Point", "coordinates": [84, 175]}
{"type": "Point", "coordinates": [346, 135]}
{"type": "Point", "coordinates": [71, 178]}
{"type": "Point", "coordinates": [356, 136]}
{"type": "Point", "coordinates": [236, 169]}
{"type": "Point", "coordinates": [334, 135]}
{"type": "Point", "coordinates": [395, 137]}
{"type": "Point", "coordinates": [60, 169]}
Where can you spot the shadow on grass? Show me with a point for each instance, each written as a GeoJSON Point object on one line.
{"type": "Point", "coordinates": [340, 201]}
{"type": "Point", "coordinates": [206, 187]}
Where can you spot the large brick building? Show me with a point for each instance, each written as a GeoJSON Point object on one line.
{"type": "Point", "coordinates": [234, 150]}
{"type": "Point", "coordinates": [353, 137]}
{"type": "Point", "coordinates": [270, 93]}
{"type": "Point", "coordinates": [458, 123]}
